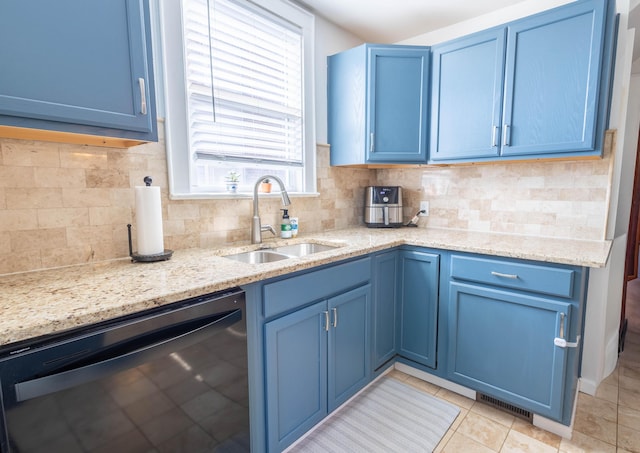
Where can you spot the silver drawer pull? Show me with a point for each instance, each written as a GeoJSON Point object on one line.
{"type": "Point", "coordinates": [335, 317]}
{"type": "Point", "coordinates": [326, 321]}
{"type": "Point", "coordinates": [500, 274]}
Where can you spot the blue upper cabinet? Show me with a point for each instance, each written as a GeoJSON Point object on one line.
{"type": "Point", "coordinates": [535, 88]}
{"type": "Point", "coordinates": [551, 81]}
{"type": "Point", "coordinates": [378, 104]}
{"type": "Point", "coordinates": [466, 107]}
{"type": "Point", "coordinates": [77, 67]}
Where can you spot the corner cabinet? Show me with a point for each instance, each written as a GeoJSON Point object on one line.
{"type": "Point", "coordinates": [537, 87]}
{"type": "Point", "coordinates": [385, 277]}
{"type": "Point", "coordinates": [514, 331]}
{"type": "Point", "coordinates": [378, 104]}
{"type": "Point", "coordinates": [418, 306]}
{"type": "Point", "coordinates": [77, 72]}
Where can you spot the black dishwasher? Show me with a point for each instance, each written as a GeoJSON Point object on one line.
{"type": "Point", "coordinates": [169, 379]}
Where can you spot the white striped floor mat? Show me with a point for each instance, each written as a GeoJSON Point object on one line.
{"type": "Point", "coordinates": [388, 416]}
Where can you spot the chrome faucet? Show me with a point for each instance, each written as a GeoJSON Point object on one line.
{"type": "Point", "coordinates": [256, 227]}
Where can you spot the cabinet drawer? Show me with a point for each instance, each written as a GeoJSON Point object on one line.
{"type": "Point", "coordinates": [293, 292]}
{"type": "Point", "coordinates": [536, 278]}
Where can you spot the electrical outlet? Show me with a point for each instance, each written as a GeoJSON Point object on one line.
{"type": "Point", "coordinates": [424, 206]}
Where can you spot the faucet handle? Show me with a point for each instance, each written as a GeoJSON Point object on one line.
{"type": "Point", "coordinates": [268, 228]}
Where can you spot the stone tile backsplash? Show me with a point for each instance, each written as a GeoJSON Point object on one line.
{"type": "Point", "coordinates": [68, 204]}
{"type": "Point", "coordinates": [566, 199]}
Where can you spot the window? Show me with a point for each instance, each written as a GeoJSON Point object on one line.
{"type": "Point", "coordinates": [242, 100]}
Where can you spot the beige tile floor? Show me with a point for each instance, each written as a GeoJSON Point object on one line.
{"type": "Point", "coordinates": [608, 422]}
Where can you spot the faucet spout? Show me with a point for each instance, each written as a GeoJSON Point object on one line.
{"type": "Point", "coordinates": [256, 227]}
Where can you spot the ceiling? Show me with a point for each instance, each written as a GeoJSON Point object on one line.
{"type": "Point", "coordinates": [390, 21]}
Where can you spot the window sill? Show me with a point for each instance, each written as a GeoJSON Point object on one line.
{"type": "Point", "coordinates": [238, 195]}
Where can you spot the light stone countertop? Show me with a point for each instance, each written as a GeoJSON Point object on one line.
{"type": "Point", "coordinates": [49, 301]}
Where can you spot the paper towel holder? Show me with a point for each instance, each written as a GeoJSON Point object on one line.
{"type": "Point", "coordinates": [146, 258]}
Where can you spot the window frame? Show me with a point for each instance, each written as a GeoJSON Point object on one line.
{"type": "Point", "coordinates": [176, 114]}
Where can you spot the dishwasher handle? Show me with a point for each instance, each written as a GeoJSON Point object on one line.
{"type": "Point", "coordinates": [121, 361]}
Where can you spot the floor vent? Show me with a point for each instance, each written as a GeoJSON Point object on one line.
{"type": "Point", "coordinates": [506, 407]}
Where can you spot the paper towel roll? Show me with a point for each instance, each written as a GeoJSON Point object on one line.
{"type": "Point", "coordinates": [149, 220]}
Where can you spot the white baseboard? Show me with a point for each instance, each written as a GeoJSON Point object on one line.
{"type": "Point", "coordinates": [587, 386]}
{"type": "Point", "coordinates": [464, 391]}
{"type": "Point", "coordinates": [539, 421]}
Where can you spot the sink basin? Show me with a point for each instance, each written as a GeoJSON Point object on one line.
{"type": "Point", "coordinates": [258, 256]}
{"type": "Point", "coordinates": [280, 253]}
{"type": "Point", "coordinates": [303, 249]}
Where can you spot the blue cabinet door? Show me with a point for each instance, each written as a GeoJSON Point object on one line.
{"type": "Point", "coordinates": [384, 308]}
{"type": "Point", "coordinates": [77, 66]}
{"type": "Point", "coordinates": [536, 87]}
{"type": "Point", "coordinates": [466, 104]}
{"type": "Point", "coordinates": [349, 344]}
{"type": "Point", "coordinates": [295, 374]}
{"type": "Point", "coordinates": [502, 343]}
{"type": "Point", "coordinates": [418, 305]}
{"type": "Point", "coordinates": [397, 104]}
{"type": "Point", "coordinates": [552, 81]}
{"type": "Point", "coordinates": [377, 104]}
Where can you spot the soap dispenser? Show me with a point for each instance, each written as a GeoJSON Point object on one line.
{"type": "Point", "coordinates": [285, 225]}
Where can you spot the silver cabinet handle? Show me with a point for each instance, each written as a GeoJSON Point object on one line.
{"type": "Point", "coordinates": [143, 96]}
{"type": "Point", "coordinates": [335, 317]}
{"type": "Point", "coordinates": [500, 274]}
{"type": "Point", "coordinates": [494, 137]}
{"type": "Point", "coordinates": [505, 137]}
{"type": "Point", "coordinates": [372, 147]}
{"type": "Point", "coordinates": [326, 321]}
{"type": "Point", "coordinates": [561, 326]}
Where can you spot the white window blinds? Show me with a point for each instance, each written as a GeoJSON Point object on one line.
{"type": "Point", "coordinates": [244, 83]}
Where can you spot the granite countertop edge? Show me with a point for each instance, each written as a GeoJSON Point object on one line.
{"type": "Point", "coordinates": [49, 301]}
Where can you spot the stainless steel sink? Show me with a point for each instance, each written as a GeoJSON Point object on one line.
{"type": "Point", "coordinates": [258, 256]}
{"type": "Point", "coordinates": [280, 253]}
{"type": "Point", "coordinates": [303, 249]}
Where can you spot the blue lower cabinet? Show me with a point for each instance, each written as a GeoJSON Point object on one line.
{"type": "Point", "coordinates": [296, 374]}
{"type": "Point", "coordinates": [502, 343]}
{"type": "Point", "coordinates": [315, 359]}
{"type": "Point", "coordinates": [418, 306]}
{"type": "Point", "coordinates": [505, 327]}
{"type": "Point", "coordinates": [348, 344]}
{"type": "Point", "coordinates": [385, 270]}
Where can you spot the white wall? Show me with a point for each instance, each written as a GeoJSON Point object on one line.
{"type": "Point", "coordinates": [330, 39]}
{"type": "Point", "coordinates": [604, 302]}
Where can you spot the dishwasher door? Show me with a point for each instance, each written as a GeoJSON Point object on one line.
{"type": "Point", "coordinates": [173, 378]}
